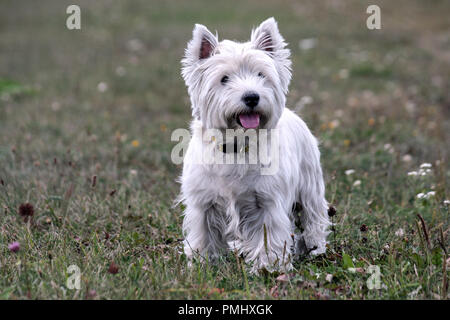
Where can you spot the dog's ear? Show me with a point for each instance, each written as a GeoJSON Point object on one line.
{"type": "Point", "coordinates": [202, 44]}
{"type": "Point", "coordinates": [201, 47]}
{"type": "Point", "coordinates": [267, 38]}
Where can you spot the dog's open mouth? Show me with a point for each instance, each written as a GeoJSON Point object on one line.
{"type": "Point", "coordinates": [249, 120]}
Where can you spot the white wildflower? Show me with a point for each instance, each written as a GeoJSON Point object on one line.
{"type": "Point", "coordinates": [349, 172]}
{"type": "Point", "coordinates": [307, 44]}
{"type": "Point", "coordinates": [56, 106]}
{"type": "Point", "coordinates": [357, 183]}
{"type": "Point", "coordinates": [420, 195]}
{"type": "Point", "coordinates": [389, 148]}
{"type": "Point", "coordinates": [412, 173]}
{"type": "Point", "coordinates": [407, 158]}
{"type": "Point", "coordinates": [343, 73]}
{"type": "Point", "coordinates": [410, 106]}
{"type": "Point", "coordinates": [339, 113]}
{"type": "Point", "coordinates": [121, 71]}
{"type": "Point", "coordinates": [400, 232]}
{"type": "Point", "coordinates": [135, 45]}
{"type": "Point", "coordinates": [305, 100]}
{"type": "Point", "coordinates": [447, 202]}
{"type": "Point", "coordinates": [430, 194]}
{"type": "Point", "coordinates": [329, 277]}
{"type": "Point", "coordinates": [425, 165]}
{"type": "Point", "coordinates": [102, 87]}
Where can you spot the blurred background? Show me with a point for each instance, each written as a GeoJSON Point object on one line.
{"type": "Point", "coordinates": [102, 102]}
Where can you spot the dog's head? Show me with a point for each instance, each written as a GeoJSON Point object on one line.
{"type": "Point", "coordinates": [234, 85]}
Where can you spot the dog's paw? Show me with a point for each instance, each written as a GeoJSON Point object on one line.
{"type": "Point", "coordinates": [304, 248]}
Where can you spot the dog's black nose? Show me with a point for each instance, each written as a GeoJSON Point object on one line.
{"type": "Point", "coordinates": [250, 99]}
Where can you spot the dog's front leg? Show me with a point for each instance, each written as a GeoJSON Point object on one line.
{"type": "Point", "coordinates": [204, 231]}
{"type": "Point", "coordinates": [266, 240]}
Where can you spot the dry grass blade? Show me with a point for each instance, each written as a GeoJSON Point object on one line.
{"type": "Point", "coordinates": [425, 231]}
{"type": "Point", "coordinates": [444, 266]}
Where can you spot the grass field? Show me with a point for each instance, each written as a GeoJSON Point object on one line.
{"type": "Point", "coordinates": [85, 124]}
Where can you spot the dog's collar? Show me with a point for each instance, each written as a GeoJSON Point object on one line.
{"type": "Point", "coordinates": [232, 147]}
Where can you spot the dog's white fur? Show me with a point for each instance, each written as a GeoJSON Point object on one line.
{"type": "Point", "coordinates": [234, 206]}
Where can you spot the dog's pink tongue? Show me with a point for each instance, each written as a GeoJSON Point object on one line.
{"type": "Point", "coordinates": [249, 120]}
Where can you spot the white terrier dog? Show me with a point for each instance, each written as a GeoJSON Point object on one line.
{"type": "Point", "coordinates": [233, 206]}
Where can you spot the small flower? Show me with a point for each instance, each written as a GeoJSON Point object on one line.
{"type": "Point", "coordinates": [133, 172]}
{"type": "Point", "coordinates": [120, 71]}
{"type": "Point", "coordinates": [303, 102]}
{"type": "Point", "coordinates": [412, 173]}
{"type": "Point", "coordinates": [331, 211]}
{"type": "Point", "coordinates": [400, 233]}
{"type": "Point", "coordinates": [113, 268]}
{"type": "Point", "coordinates": [306, 100]}
{"type": "Point", "coordinates": [26, 210]}
{"type": "Point", "coordinates": [447, 202]}
{"type": "Point", "coordinates": [389, 148]}
{"type": "Point", "coordinates": [92, 294]}
{"type": "Point", "coordinates": [135, 143]}
{"type": "Point", "coordinates": [425, 165]}
{"type": "Point", "coordinates": [356, 183]}
{"type": "Point", "coordinates": [334, 124]}
{"type": "Point", "coordinates": [135, 45]}
{"type": "Point", "coordinates": [407, 158]}
{"type": "Point", "coordinates": [56, 106]}
{"type": "Point", "coordinates": [14, 246]}
{"type": "Point", "coordinates": [363, 228]}
{"type": "Point", "coordinates": [307, 44]}
{"type": "Point", "coordinates": [426, 195]}
{"type": "Point", "coordinates": [102, 87]}
{"type": "Point", "coordinates": [343, 74]}
{"type": "Point", "coordinates": [349, 172]}
{"type": "Point", "coordinates": [329, 277]}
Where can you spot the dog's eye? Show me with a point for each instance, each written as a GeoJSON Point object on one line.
{"type": "Point", "coordinates": [224, 79]}
{"type": "Point", "coordinates": [261, 75]}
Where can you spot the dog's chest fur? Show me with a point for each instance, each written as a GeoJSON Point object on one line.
{"type": "Point", "coordinates": [239, 191]}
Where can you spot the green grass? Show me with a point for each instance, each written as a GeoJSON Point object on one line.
{"type": "Point", "coordinates": [379, 98]}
